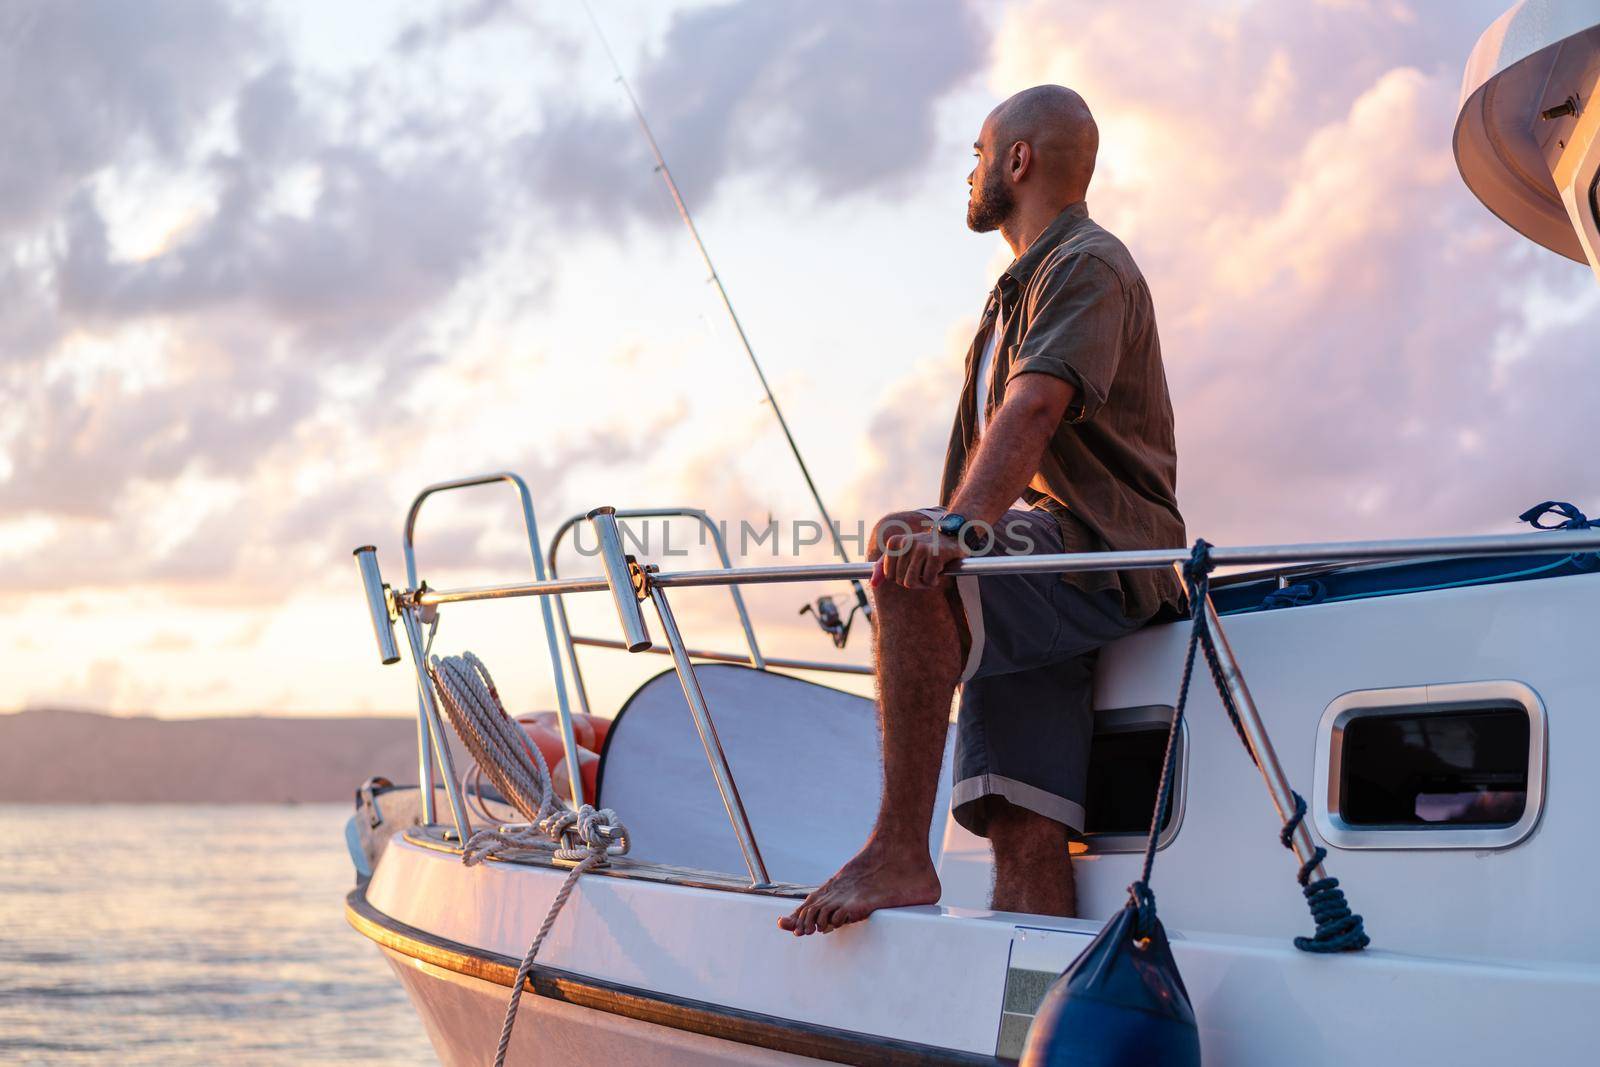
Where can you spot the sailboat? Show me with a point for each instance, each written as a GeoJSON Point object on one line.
{"type": "Point", "coordinates": [1430, 700]}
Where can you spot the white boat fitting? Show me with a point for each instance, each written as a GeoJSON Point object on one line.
{"type": "Point", "coordinates": [1430, 700]}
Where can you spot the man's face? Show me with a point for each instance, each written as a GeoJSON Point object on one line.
{"type": "Point", "coordinates": [990, 201]}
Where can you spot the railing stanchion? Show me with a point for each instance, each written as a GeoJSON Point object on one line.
{"type": "Point", "coordinates": [1255, 735]}
{"type": "Point", "coordinates": [569, 742]}
{"type": "Point", "coordinates": [701, 713]}
{"type": "Point", "coordinates": [435, 727]}
{"type": "Point", "coordinates": [430, 813]}
{"type": "Point", "coordinates": [565, 630]}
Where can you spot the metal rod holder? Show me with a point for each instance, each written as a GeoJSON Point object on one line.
{"type": "Point", "coordinates": [756, 659]}
{"type": "Point", "coordinates": [620, 577]}
{"type": "Point", "coordinates": [1255, 734]}
{"type": "Point", "coordinates": [378, 603]}
{"type": "Point", "coordinates": [700, 711]}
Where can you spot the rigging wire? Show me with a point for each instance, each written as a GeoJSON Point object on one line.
{"type": "Point", "coordinates": [716, 279]}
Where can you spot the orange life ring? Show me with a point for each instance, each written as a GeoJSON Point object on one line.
{"type": "Point", "coordinates": [588, 770]}
{"type": "Point", "coordinates": [588, 730]}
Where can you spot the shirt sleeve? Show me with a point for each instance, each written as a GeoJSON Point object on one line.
{"type": "Point", "coordinates": [1075, 330]}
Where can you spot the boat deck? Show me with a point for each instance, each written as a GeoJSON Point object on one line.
{"type": "Point", "coordinates": [443, 839]}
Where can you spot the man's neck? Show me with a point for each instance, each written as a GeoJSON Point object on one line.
{"type": "Point", "coordinates": [1027, 222]}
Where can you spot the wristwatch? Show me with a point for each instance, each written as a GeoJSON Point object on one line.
{"type": "Point", "coordinates": [956, 527]}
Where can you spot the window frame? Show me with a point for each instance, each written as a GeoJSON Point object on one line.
{"type": "Point", "coordinates": [1438, 698]}
{"type": "Point", "coordinates": [1594, 200]}
{"type": "Point", "coordinates": [1126, 720]}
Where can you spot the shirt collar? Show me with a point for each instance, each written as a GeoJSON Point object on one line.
{"type": "Point", "coordinates": [1016, 277]}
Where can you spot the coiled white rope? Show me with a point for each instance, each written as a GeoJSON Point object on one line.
{"type": "Point", "coordinates": [478, 798]}
{"type": "Point", "coordinates": [516, 767]}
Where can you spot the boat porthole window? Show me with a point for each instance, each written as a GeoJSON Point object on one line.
{"type": "Point", "coordinates": [1125, 759]}
{"type": "Point", "coordinates": [1456, 765]}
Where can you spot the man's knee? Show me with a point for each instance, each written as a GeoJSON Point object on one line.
{"type": "Point", "coordinates": [896, 522]}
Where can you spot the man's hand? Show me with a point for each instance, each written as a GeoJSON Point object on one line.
{"type": "Point", "coordinates": [915, 560]}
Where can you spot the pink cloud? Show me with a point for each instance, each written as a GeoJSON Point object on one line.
{"type": "Point", "coordinates": [1336, 310]}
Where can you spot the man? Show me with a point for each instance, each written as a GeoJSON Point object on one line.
{"type": "Point", "coordinates": [1065, 406]}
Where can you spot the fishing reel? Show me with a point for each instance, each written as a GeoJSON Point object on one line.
{"type": "Point", "coordinates": [837, 627]}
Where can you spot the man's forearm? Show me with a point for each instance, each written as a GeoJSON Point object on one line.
{"type": "Point", "coordinates": [1008, 454]}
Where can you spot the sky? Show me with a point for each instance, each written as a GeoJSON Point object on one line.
{"type": "Point", "coordinates": [267, 269]}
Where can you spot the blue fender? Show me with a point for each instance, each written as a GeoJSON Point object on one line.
{"type": "Point", "coordinates": [1121, 1003]}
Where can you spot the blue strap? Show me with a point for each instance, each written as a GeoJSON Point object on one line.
{"type": "Point", "coordinates": [1572, 518]}
{"type": "Point", "coordinates": [1309, 591]}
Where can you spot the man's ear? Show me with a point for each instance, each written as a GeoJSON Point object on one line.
{"type": "Point", "coordinates": [1020, 159]}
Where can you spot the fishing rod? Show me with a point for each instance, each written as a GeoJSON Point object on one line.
{"type": "Point", "coordinates": [862, 603]}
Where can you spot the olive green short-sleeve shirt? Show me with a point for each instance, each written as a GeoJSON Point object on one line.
{"type": "Point", "coordinates": [1075, 306]}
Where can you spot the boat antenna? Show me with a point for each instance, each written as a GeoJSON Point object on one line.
{"type": "Point", "coordinates": [662, 169]}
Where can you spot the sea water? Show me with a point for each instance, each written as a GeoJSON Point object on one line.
{"type": "Point", "coordinates": [186, 934]}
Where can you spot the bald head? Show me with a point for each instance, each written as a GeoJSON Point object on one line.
{"type": "Point", "coordinates": [1036, 150]}
{"type": "Point", "coordinates": [1056, 122]}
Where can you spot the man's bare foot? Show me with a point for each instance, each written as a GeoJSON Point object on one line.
{"type": "Point", "coordinates": [876, 878]}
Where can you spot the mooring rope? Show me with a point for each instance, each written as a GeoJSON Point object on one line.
{"type": "Point", "coordinates": [517, 769]}
{"type": "Point", "coordinates": [1139, 892]}
{"type": "Point", "coordinates": [1337, 928]}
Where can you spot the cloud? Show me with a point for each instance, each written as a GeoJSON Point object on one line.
{"type": "Point", "coordinates": [837, 99]}
{"type": "Point", "coordinates": [29, 323]}
{"type": "Point", "coordinates": [77, 451]}
{"type": "Point", "coordinates": [321, 231]}
{"type": "Point", "coordinates": [377, 241]}
{"type": "Point", "coordinates": [456, 19]}
{"type": "Point", "coordinates": [168, 641]}
{"type": "Point", "coordinates": [82, 83]}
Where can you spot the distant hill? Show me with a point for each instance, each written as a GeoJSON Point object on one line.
{"type": "Point", "coordinates": [57, 757]}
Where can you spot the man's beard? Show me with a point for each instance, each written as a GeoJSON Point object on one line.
{"type": "Point", "coordinates": [992, 206]}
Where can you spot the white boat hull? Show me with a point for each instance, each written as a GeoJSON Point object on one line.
{"type": "Point", "coordinates": [463, 1015]}
{"type": "Point", "coordinates": [674, 966]}
{"type": "Point", "coordinates": [1480, 955]}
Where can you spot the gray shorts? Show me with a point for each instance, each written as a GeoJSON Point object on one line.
{"type": "Point", "coordinates": [1026, 714]}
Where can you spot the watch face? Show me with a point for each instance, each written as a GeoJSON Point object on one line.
{"type": "Point", "coordinates": [950, 525]}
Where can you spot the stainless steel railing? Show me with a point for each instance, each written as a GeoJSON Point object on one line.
{"type": "Point", "coordinates": [787, 663]}
{"type": "Point", "coordinates": [755, 658]}
{"type": "Point", "coordinates": [629, 584]}
{"type": "Point", "coordinates": [430, 735]}
{"type": "Point", "coordinates": [1530, 544]}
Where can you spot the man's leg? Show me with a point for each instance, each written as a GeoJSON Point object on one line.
{"type": "Point", "coordinates": [919, 660]}
{"type": "Point", "coordinates": [1024, 735]}
{"type": "Point", "coordinates": [1032, 868]}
